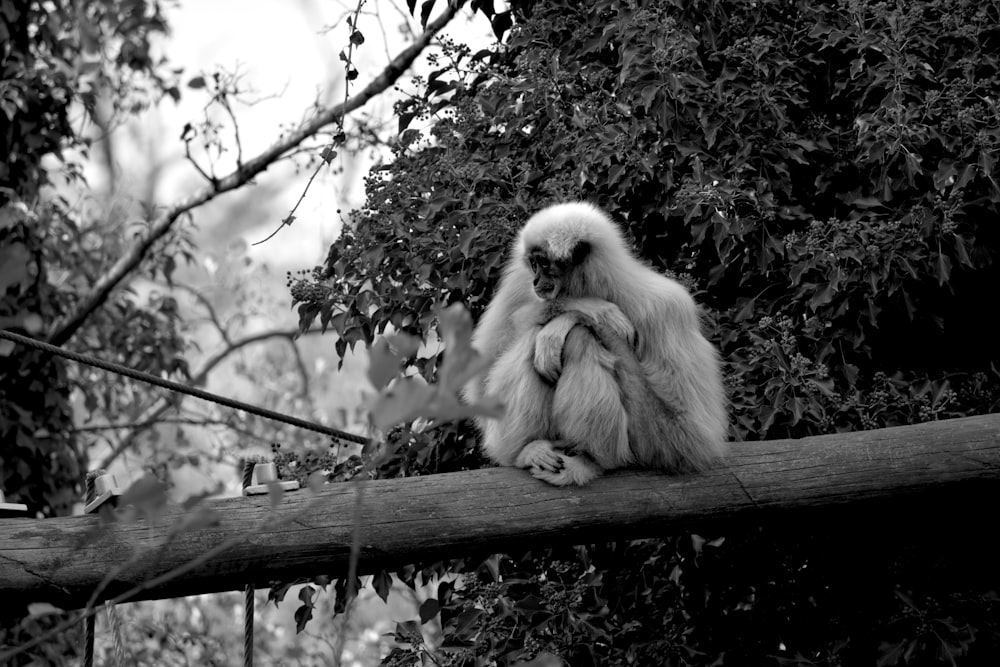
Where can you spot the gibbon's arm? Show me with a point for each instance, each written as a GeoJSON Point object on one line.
{"type": "Point", "coordinates": [683, 370]}
{"type": "Point", "coordinates": [561, 316]}
{"type": "Point", "coordinates": [549, 343]}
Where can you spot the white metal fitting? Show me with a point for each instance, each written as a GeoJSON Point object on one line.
{"type": "Point", "coordinates": [264, 475]}
{"type": "Point", "coordinates": [11, 510]}
{"type": "Point", "coordinates": [106, 490]}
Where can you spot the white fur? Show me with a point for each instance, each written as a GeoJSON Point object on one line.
{"type": "Point", "coordinates": [670, 384]}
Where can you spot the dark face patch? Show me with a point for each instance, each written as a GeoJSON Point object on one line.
{"type": "Point", "coordinates": [550, 275]}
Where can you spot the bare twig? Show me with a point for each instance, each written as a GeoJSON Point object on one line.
{"type": "Point", "coordinates": [67, 326]}
{"type": "Point", "coordinates": [213, 317]}
{"type": "Point", "coordinates": [328, 153]}
{"type": "Point", "coordinates": [190, 158]}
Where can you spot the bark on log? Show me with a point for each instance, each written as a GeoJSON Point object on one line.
{"type": "Point", "coordinates": [886, 474]}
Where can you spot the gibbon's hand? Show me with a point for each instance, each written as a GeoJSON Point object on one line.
{"type": "Point", "coordinates": [596, 313]}
{"type": "Point", "coordinates": [602, 313]}
{"type": "Point", "coordinates": [549, 346]}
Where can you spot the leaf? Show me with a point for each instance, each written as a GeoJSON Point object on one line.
{"type": "Point", "coordinates": [444, 591]}
{"type": "Point", "coordinates": [197, 83]}
{"type": "Point", "coordinates": [357, 38]}
{"type": "Point", "coordinates": [386, 357]}
{"type": "Point", "coordinates": [867, 202]}
{"type": "Point", "coordinates": [316, 481]}
{"type": "Point", "coordinates": [502, 22]}
{"type": "Point", "coordinates": [409, 631]}
{"type": "Point", "coordinates": [408, 399]}
{"type": "Point", "coordinates": [404, 120]}
{"type": "Point", "coordinates": [462, 362]}
{"type": "Point", "coordinates": [382, 583]}
{"type": "Point", "coordinates": [36, 609]}
{"type": "Point", "coordinates": [531, 605]}
{"type": "Point", "coordinates": [425, 12]}
{"type": "Point", "coordinates": [492, 565]}
{"type": "Point", "coordinates": [826, 386]}
{"type": "Point", "coordinates": [277, 593]}
{"type": "Point", "coordinates": [275, 493]}
{"type": "Point", "coordinates": [429, 608]}
{"type": "Point", "coordinates": [149, 497]}
{"type": "Point", "coordinates": [303, 615]}
{"type": "Point", "coordinates": [943, 268]}
{"type": "Point", "coordinates": [962, 250]}
{"type": "Point", "coordinates": [466, 623]}
{"type": "Point", "coordinates": [823, 296]}
{"type": "Point", "coordinates": [12, 214]}
{"type": "Point", "coordinates": [201, 517]}
{"type": "Point", "coordinates": [945, 174]}
{"type": "Point", "coordinates": [14, 261]}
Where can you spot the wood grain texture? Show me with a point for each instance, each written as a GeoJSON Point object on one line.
{"type": "Point", "coordinates": [885, 473]}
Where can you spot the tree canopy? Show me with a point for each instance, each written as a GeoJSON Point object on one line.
{"type": "Point", "coordinates": [822, 176]}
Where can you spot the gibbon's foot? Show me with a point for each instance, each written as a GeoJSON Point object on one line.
{"type": "Point", "coordinates": [577, 470]}
{"type": "Point", "coordinates": [541, 455]}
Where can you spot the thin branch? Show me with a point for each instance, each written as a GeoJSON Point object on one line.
{"type": "Point", "coordinates": [329, 153]}
{"type": "Point", "coordinates": [190, 158]}
{"type": "Point", "coordinates": [209, 308]}
{"type": "Point", "coordinates": [300, 366]}
{"type": "Point", "coordinates": [66, 327]}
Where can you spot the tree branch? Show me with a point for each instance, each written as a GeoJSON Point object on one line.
{"type": "Point", "coordinates": [65, 328]}
{"type": "Point", "coordinates": [909, 477]}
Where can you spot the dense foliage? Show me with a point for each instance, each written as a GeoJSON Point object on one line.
{"type": "Point", "coordinates": [63, 66]}
{"type": "Point", "coordinates": [823, 176]}
{"type": "Point", "coordinates": [57, 58]}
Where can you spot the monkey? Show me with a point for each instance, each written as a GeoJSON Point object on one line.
{"type": "Point", "coordinates": [600, 359]}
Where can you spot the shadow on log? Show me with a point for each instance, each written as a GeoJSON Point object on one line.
{"type": "Point", "coordinates": [890, 475]}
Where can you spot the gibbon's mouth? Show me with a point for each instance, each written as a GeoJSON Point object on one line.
{"type": "Point", "coordinates": [547, 294]}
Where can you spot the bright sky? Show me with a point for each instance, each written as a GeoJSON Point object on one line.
{"type": "Point", "coordinates": [287, 52]}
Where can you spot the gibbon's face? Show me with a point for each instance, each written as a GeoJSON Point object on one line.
{"type": "Point", "coordinates": [555, 276]}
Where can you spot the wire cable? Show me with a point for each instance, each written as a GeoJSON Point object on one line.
{"type": "Point", "coordinates": [181, 388]}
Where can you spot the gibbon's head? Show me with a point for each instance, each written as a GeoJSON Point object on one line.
{"type": "Point", "coordinates": [561, 243]}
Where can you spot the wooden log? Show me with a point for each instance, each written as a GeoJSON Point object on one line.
{"type": "Point", "coordinates": [884, 473]}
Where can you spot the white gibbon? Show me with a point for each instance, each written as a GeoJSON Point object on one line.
{"type": "Point", "coordinates": [599, 359]}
